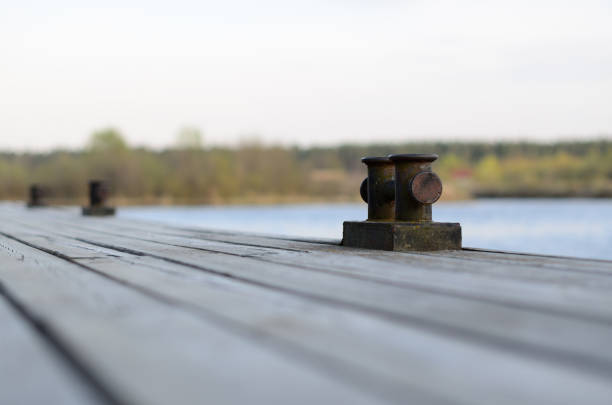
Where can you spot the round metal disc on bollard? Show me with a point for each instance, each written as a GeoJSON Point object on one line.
{"type": "Point", "coordinates": [426, 187]}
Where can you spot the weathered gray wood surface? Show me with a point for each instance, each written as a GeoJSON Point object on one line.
{"type": "Point", "coordinates": [148, 313]}
{"type": "Point", "coordinates": [31, 371]}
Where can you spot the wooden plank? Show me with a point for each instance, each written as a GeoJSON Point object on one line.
{"type": "Point", "coordinates": [404, 351]}
{"type": "Point", "coordinates": [579, 265]}
{"type": "Point", "coordinates": [566, 264]}
{"type": "Point", "coordinates": [513, 265]}
{"type": "Point", "coordinates": [576, 341]}
{"type": "Point", "coordinates": [571, 294]}
{"type": "Point", "coordinates": [580, 295]}
{"type": "Point", "coordinates": [513, 279]}
{"type": "Point", "coordinates": [31, 371]}
{"type": "Point", "coordinates": [148, 350]}
{"type": "Point", "coordinates": [473, 255]}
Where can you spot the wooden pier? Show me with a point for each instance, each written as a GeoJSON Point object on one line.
{"type": "Point", "coordinates": [111, 311]}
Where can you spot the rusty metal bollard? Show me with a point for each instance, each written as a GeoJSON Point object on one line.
{"type": "Point", "coordinates": [416, 186]}
{"type": "Point", "coordinates": [378, 189]}
{"type": "Point", "coordinates": [36, 195]}
{"type": "Point", "coordinates": [98, 193]}
{"type": "Point", "coordinates": [410, 227]}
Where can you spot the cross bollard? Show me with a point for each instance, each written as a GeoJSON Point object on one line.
{"type": "Point", "coordinates": [400, 190]}
{"type": "Point", "coordinates": [98, 193]}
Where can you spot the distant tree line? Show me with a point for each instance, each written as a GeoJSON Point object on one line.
{"type": "Point", "coordinates": [255, 173]}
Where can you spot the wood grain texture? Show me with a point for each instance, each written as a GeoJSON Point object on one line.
{"type": "Point", "coordinates": [450, 327]}
{"type": "Point", "coordinates": [148, 351]}
{"type": "Point", "coordinates": [505, 281]}
{"type": "Point", "coordinates": [31, 371]}
{"type": "Point", "coordinates": [467, 317]}
{"type": "Point", "coordinates": [374, 351]}
{"type": "Point", "coordinates": [463, 259]}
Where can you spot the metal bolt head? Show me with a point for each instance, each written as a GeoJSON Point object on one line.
{"type": "Point", "coordinates": [426, 187]}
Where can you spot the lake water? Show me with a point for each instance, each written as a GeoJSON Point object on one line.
{"type": "Point", "coordinates": [568, 227]}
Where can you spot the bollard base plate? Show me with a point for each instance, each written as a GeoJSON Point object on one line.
{"type": "Point", "coordinates": [402, 236]}
{"type": "Point", "coordinates": [98, 211]}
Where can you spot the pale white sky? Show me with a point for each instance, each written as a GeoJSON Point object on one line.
{"type": "Point", "coordinates": [308, 72]}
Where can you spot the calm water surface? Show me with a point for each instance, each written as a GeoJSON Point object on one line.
{"type": "Point", "coordinates": [569, 227]}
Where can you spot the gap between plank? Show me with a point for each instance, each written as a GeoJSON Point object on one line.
{"type": "Point", "coordinates": [49, 337]}
{"type": "Point", "coordinates": [531, 350]}
{"type": "Point", "coordinates": [404, 284]}
{"type": "Point", "coordinates": [589, 364]}
{"type": "Point", "coordinates": [343, 372]}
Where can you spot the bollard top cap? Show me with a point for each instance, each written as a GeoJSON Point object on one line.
{"type": "Point", "coordinates": [375, 159]}
{"type": "Point", "coordinates": [413, 157]}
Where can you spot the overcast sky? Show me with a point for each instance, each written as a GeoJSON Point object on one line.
{"type": "Point", "coordinates": [308, 72]}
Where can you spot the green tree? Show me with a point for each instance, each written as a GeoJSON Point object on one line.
{"type": "Point", "coordinates": [189, 138]}
{"type": "Point", "coordinates": [489, 170]}
{"type": "Point", "coordinates": [107, 140]}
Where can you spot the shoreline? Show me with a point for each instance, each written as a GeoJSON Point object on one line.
{"type": "Point", "coordinates": [294, 200]}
